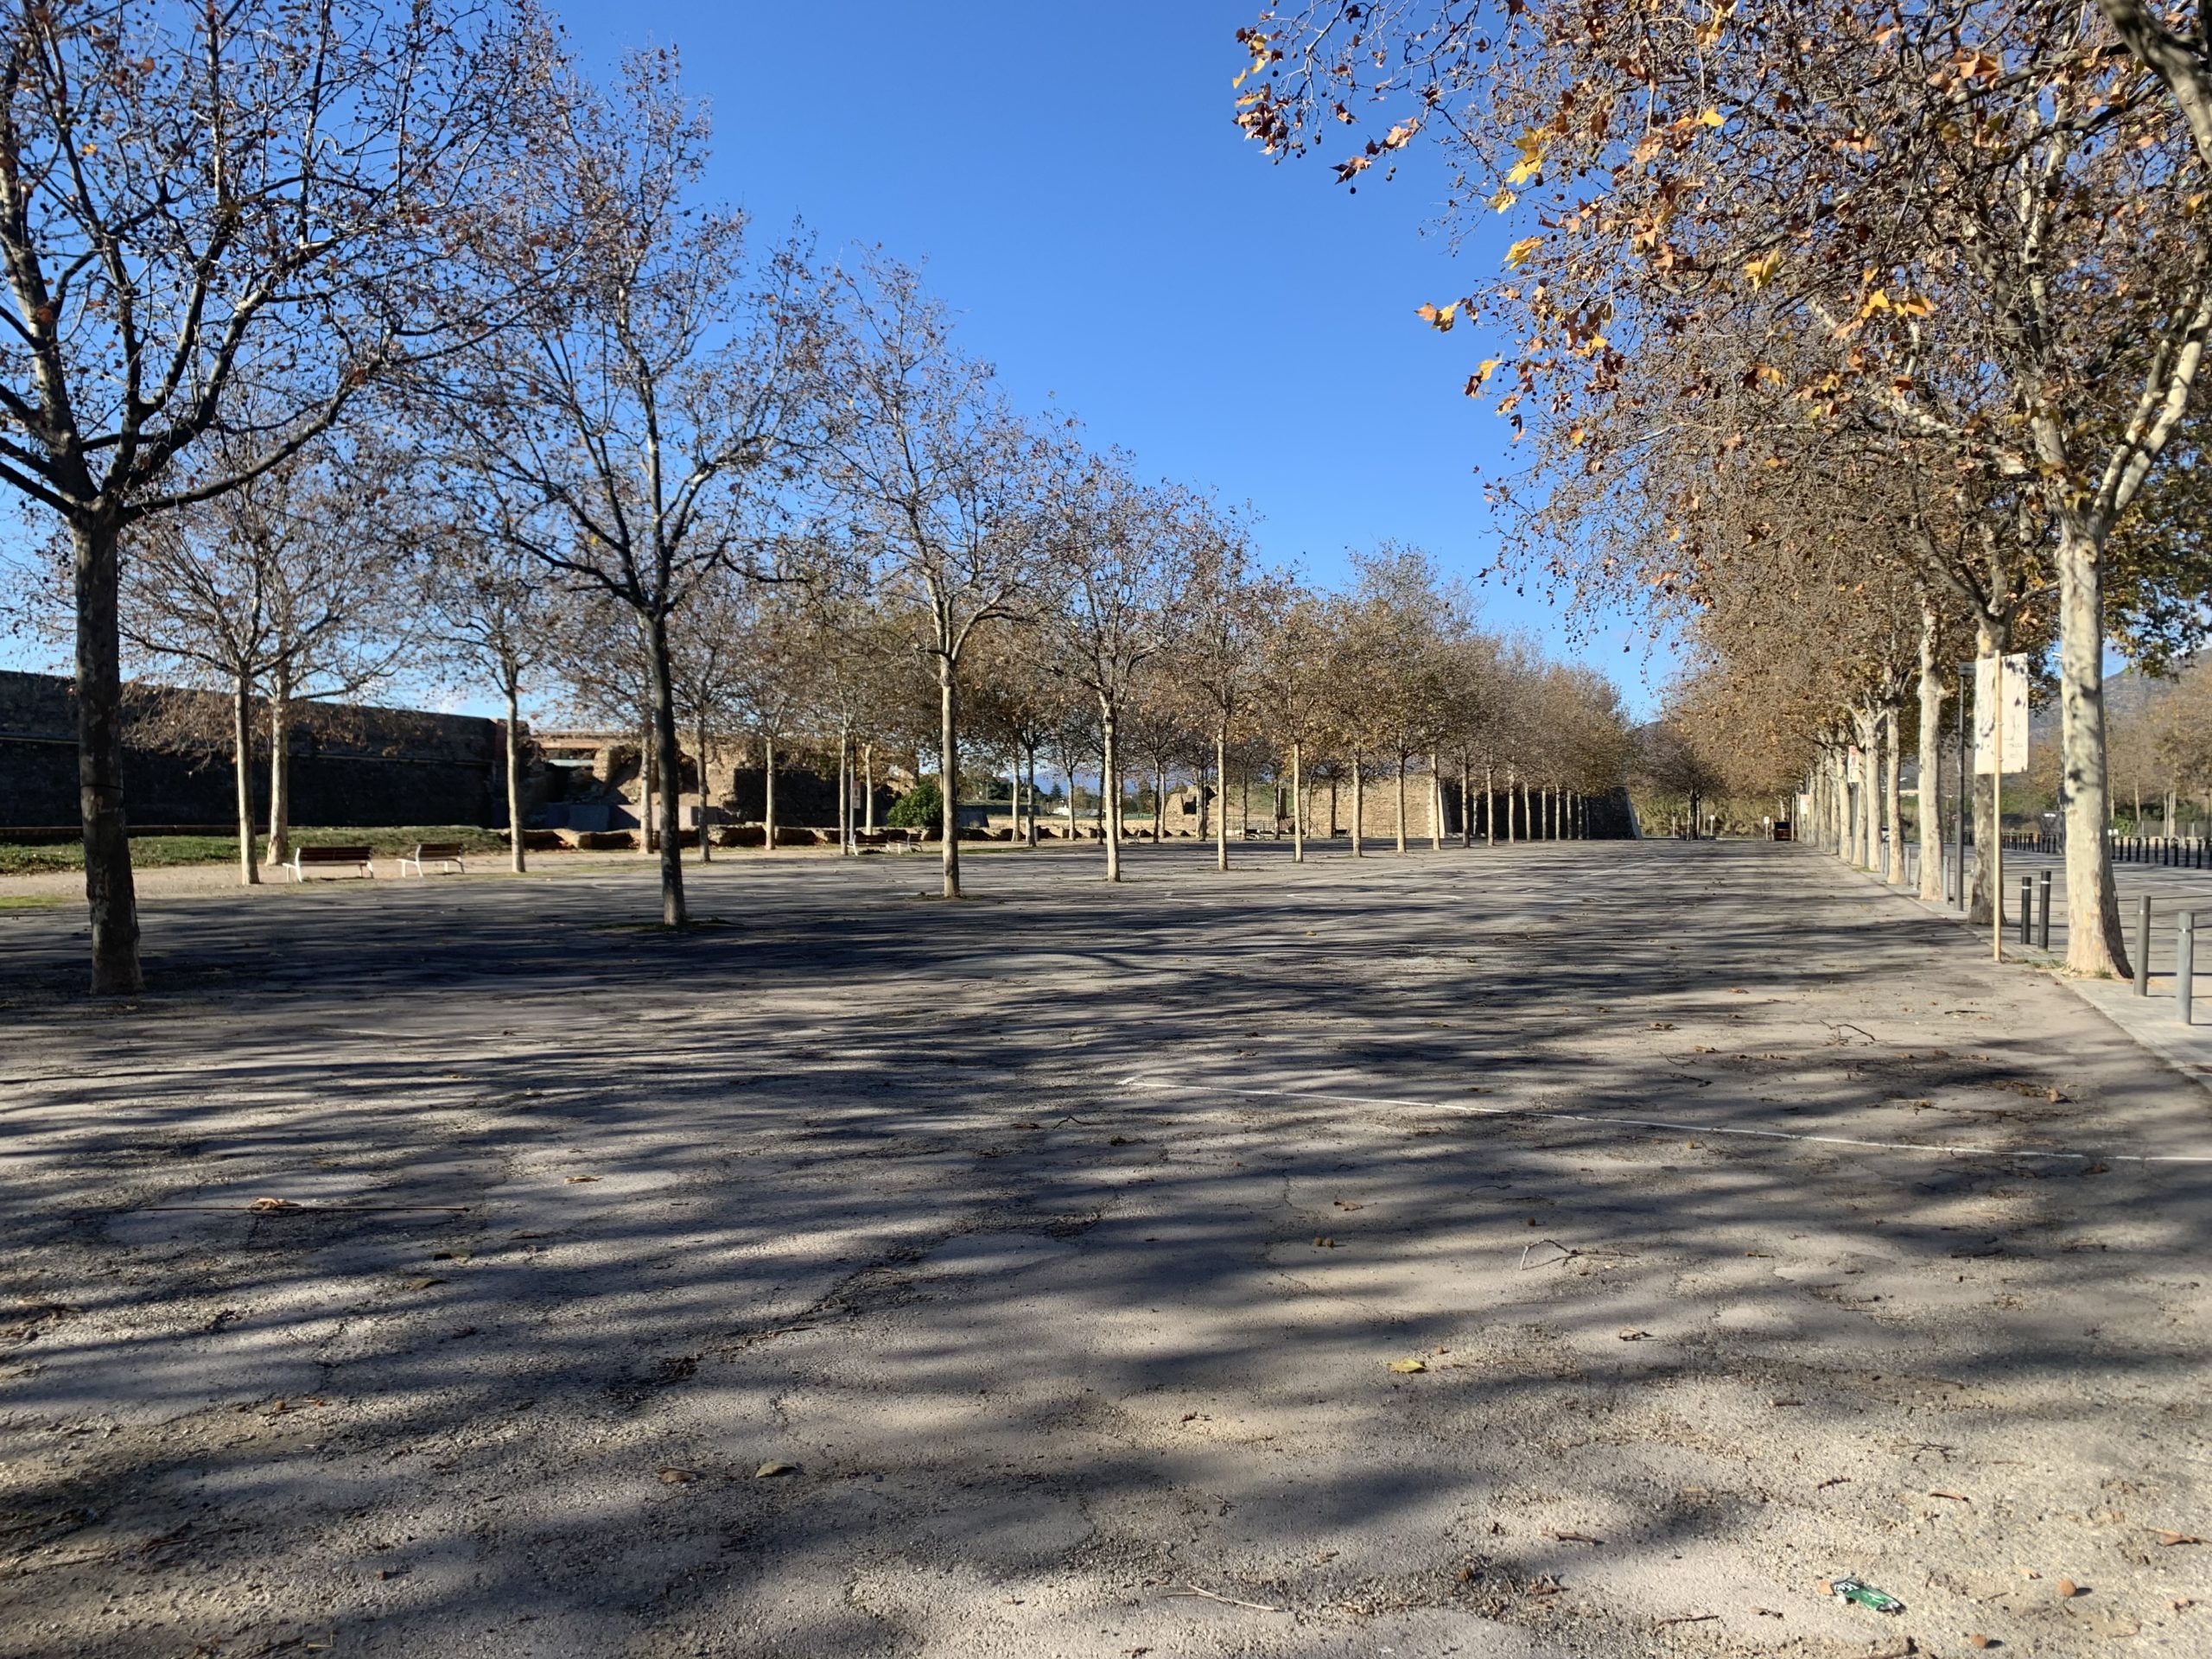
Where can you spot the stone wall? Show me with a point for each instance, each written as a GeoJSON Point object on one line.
{"type": "Point", "coordinates": [349, 766]}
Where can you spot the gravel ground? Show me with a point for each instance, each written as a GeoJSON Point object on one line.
{"type": "Point", "coordinates": [465, 1268]}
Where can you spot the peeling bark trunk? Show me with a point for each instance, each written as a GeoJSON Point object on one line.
{"type": "Point", "coordinates": [672, 911]}
{"type": "Point", "coordinates": [1489, 807]}
{"type": "Point", "coordinates": [867, 791]}
{"type": "Point", "coordinates": [1930, 810]}
{"type": "Point", "coordinates": [242, 770]}
{"type": "Point", "coordinates": [1297, 804]}
{"type": "Point", "coordinates": [517, 856]}
{"type": "Point", "coordinates": [1109, 788]}
{"type": "Point", "coordinates": [110, 897]}
{"type": "Point", "coordinates": [1401, 805]}
{"type": "Point", "coordinates": [2094, 942]}
{"type": "Point", "coordinates": [280, 771]}
{"type": "Point", "coordinates": [1221, 795]}
{"type": "Point", "coordinates": [768, 793]}
{"type": "Point", "coordinates": [948, 729]}
{"type": "Point", "coordinates": [1435, 806]}
{"type": "Point", "coordinates": [1988, 642]}
{"type": "Point", "coordinates": [1358, 807]}
{"type": "Point", "coordinates": [706, 829]}
{"type": "Point", "coordinates": [1892, 795]}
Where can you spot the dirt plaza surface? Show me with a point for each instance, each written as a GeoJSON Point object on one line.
{"type": "Point", "coordinates": [1577, 1250]}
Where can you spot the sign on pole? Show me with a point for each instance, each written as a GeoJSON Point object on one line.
{"type": "Point", "coordinates": [2000, 745]}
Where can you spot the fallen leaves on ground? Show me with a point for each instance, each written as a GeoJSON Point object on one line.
{"type": "Point", "coordinates": [1407, 1367]}
{"type": "Point", "coordinates": [770, 1471]}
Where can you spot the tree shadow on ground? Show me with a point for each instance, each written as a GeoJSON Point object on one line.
{"type": "Point", "coordinates": [432, 1268]}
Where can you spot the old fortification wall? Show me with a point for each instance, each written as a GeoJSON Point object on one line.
{"type": "Point", "coordinates": [350, 766]}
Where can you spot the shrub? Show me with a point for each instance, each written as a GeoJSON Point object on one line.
{"type": "Point", "coordinates": [919, 808]}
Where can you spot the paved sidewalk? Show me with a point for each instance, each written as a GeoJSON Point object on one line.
{"type": "Point", "coordinates": [2152, 1020]}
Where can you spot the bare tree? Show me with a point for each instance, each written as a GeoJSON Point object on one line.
{"type": "Point", "coordinates": [196, 198]}
{"type": "Point", "coordinates": [487, 600]}
{"type": "Point", "coordinates": [641, 407]}
{"type": "Point", "coordinates": [1119, 556]}
{"type": "Point", "coordinates": [939, 480]}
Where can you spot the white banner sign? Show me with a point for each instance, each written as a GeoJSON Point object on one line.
{"type": "Point", "coordinates": [2000, 747]}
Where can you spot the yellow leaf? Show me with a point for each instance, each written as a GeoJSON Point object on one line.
{"type": "Point", "coordinates": [1531, 144]}
{"type": "Point", "coordinates": [1503, 200]}
{"type": "Point", "coordinates": [1401, 135]}
{"type": "Point", "coordinates": [1481, 376]}
{"type": "Point", "coordinates": [1517, 254]}
{"type": "Point", "coordinates": [1439, 318]}
{"type": "Point", "coordinates": [1712, 119]}
{"type": "Point", "coordinates": [1761, 271]}
{"type": "Point", "coordinates": [1878, 301]}
{"type": "Point", "coordinates": [1408, 1367]}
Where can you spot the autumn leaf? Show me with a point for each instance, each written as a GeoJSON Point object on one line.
{"type": "Point", "coordinates": [1712, 119]}
{"type": "Point", "coordinates": [1257, 43]}
{"type": "Point", "coordinates": [1401, 135]}
{"type": "Point", "coordinates": [1408, 1367]}
{"type": "Point", "coordinates": [1439, 318]}
{"type": "Point", "coordinates": [1532, 145]}
{"type": "Point", "coordinates": [1761, 271]}
{"type": "Point", "coordinates": [1502, 201]}
{"type": "Point", "coordinates": [1517, 254]}
{"type": "Point", "coordinates": [1481, 376]}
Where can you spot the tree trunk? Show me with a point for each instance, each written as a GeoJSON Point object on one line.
{"type": "Point", "coordinates": [2094, 943]}
{"type": "Point", "coordinates": [1931, 792]}
{"type": "Point", "coordinates": [672, 911]}
{"type": "Point", "coordinates": [1110, 786]}
{"type": "Point", "coordinates": [110, 895]}
{"type": "Point", "coordinates": [1490, 805]}
{"type": "Point", "coordinates": [1988, 642]}
{"type": "Point", "coordinates": [767, 792]}
{"type": "Point", "coordinates": [706, 830]}
{"type": "Point", "coordinates": [242, 768]}
{"type": "Point", "coordinates": [280, 769]}
{"type": "Point", "coordinates": [948, 750]}
{"type": "Point", "coordinates": [1158, 801]}
{"type": "Point", "coordinates": [845, 847]}
{"type": "Point", "coordinates": [1466, 806]}
{"type": "Point", "coordinates": [1401, 805]}
{"type": "Point", "coordinates": [1435, 806]}
{"type": "Point", "coordinates": [517, 858]}
{"type": "Point", "coordinates": [1358, 808]}
{"type": "Point", "coordinates": [1221, 793]}
{"type": "Point", "coordinates": [645, 776]}
{"type": "Point", "coordinates": [1297, 804]}
{"type": "Point", "coordinates": [1893, 797]}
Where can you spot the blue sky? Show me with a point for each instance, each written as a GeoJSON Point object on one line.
{"type": "Point", "coordinates": [1068, 173]}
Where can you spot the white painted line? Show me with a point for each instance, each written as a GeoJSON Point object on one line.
{"type": "Point", "coordinates": [1662, 1125]}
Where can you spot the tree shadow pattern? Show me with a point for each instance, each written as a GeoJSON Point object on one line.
{"type": "Point", "coordinates": [470, 1267]}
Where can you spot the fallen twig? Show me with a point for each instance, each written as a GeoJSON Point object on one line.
{"type": "Point", "coordinates": [1226, 1601]}
{"type": "Point", "coordinates": [1689, 1618]}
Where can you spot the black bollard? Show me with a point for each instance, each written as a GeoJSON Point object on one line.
{"type": "Point", "coordinates": [2043, 912]}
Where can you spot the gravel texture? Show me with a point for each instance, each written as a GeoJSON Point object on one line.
{"type": "Point", "coordinates": [859, 1275]}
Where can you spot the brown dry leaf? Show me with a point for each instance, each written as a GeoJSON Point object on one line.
{"type": "Point", "coordinates": [770, 1471]}
{"type": "Point", "coordinates": [2169, 1539]}
{"type": "Point", "coordinates": [2067, 1589]}
{"type": "Point", "coordinates": [1702, 1048]}
{"type": "Point", "coordinates": [263, 1206]}
{"type": "Point", "coordinates": [1407, 1367]}
{"type": "Point", "coordinates": [424, 1282]}
{"type": "Point", "coordinates": [1346, 1203]}
{"type": "Point", "coordinates": [1955, 1497]}
{"type": "Point", "coordinates": [1662, 1025]}
{"type": "Point", "coordinates": [574, 1180]}
{"type": "Point", "coordinates": [1976, 1639]}
{"type": "Point", "coordinates": [679, 1476]}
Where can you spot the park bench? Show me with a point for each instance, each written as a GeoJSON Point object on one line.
{"type": "Point", "coordinates": [304, 858]}
{"type": "Point", "coordinates": [433, 852]}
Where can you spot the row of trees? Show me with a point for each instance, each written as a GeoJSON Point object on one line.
{"type": "Point", "coordinates": [333, 330]}
{"type": "Point", "coordinates": [1865, 339]}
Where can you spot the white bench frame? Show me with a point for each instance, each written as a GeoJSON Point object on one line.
{"type": "Point", "coordinates": [418, 860]}
{"type": "Point", "coordinates": [297, 867]}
